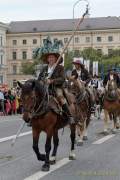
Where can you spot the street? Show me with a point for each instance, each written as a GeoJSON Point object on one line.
{"type": "Point", "coordinates": [97, 159]}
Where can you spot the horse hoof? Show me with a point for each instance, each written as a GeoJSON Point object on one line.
{"type": "Point", "coordinates": [80, 143]}
{"type": "Point", "coordinates": [41, 157]}
{"type": "Point", "coordinates": [85, 138]}
{"type": "Point", "coordinates": [72, 158]}
{"type": "Point", "coordinates": [45, 167]}
{"type": "Point", "coordinates": [105, 133]}
{"type": "Point", "coordinates": [114, 131]}
{"type": "Point", "coordinates": [117, 127]}
{"type": "Point", "coordinates": [52, 162]}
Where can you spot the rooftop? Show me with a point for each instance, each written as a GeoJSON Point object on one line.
{"type": "Point", "coordinates": [63, 25]}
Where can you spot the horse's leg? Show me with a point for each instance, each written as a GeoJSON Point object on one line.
{"type": "Point", "coordinates": [85, 128]}
{"type": "Point", "coordinates": [46, 165]}
{"type": "Point", "coordinates": [87, 122]}
{"type": "Point", "coordinates": [118, 123]}
{"type": "Point", "coordinates": [56, 143]}
{"type": "Point", "coordinates": [98, 111]}
{"type": "Point", "coordinates": [36, 134]}
{"type": "Point", "coordinates": [72, 136]}
{"type": "Point", "coordinates": [105, 122]}
{"type": "Point", "coordinates": [114, 123]}
{"type": "Point", "coordinates": [80, 130]}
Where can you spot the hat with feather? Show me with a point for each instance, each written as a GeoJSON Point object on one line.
{"type": "Point", "coordinates": [48, 48]}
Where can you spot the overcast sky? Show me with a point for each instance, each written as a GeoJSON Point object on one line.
{"type": "Point", "coordinates": [23, 10]}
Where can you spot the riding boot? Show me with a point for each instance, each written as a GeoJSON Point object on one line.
{"type": "Point", "coordinates": [67, 112]}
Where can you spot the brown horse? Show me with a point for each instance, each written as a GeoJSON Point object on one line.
{"type": "Point", "coordinates": [83, 109]}
{"type": "Point", "coordinates": [37, 109]}
{"type": "Point", "coordinates": [111, 105]}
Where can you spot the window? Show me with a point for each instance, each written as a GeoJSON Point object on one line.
{"type": "Point", "coordinates": [99, 39]}
{"type": "Point", "coordinates": [1, 79]}
{"type": "Point", "coordinates": [110, 51]}
{"type": "Point", "coordinates": [24, 41]}
{"type": "Point", "coordinates": [99, 51]}
{"type": "Point", "coordinates": [87, 39]}
{"type": "Point", "coordinates": [24, 55]}
{"type": "Point", "coordinates": [1, 59]}
{"type": "Point", "coordinates": [14, 55]}
{"type": "Point", "coordinates": [65, 40]}
{"type": "Point", "coordinates": [110, 38]}
{"type": "Point", "coordinates": [14, 42]}
{"type": "Point", "coordinates": [76, 40]}
{"type": "Point", "coordinates": [14, 83]}
{"type": "Point", "coordinates": [1, 41]}
{"type": "Point", "coordinates": [34, 41]}
{"type": "Point", "coordinates": [14, 69]}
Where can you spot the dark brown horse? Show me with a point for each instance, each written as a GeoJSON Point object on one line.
{"type": "Point", "coordinates": [44, 117]}
{"type": "Point", "coordinates": [111, 105]}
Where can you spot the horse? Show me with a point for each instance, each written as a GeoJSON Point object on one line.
{"type": "Point", "coordinates": [83, 108]}
{"type": "Point", "coordinates": [111, 105]}
{"type": "Point", "coordinates": [38, 109]}
{"type": "Point", "coordinates": [98, 96]}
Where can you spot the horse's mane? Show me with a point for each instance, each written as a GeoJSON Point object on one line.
{"type": "Point", "coordinates": [112, 82]}
{"type": "Point", "coordinates": [31, 84]}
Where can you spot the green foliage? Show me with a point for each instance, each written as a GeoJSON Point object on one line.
{"type": "Point", "coordinates": [29, 67]}
{"type": "Point", "coordinates": [91, 54]}
{"type": "Point", "coordinates": [68, 60]}
{"type": "Point", "coordinates": [111, 62]}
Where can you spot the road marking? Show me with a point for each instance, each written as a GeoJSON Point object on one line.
{"type": "Point", "coordinates": [102, 140]}
{"type": "Point", "coordinates": [13, 136]}
{"type": "Point", "coordinates": [10, 120]}
{"type": "Point", "coordinates": [41, 174]}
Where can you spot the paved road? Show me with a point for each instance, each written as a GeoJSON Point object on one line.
{"type": "Point", "coordinates": [98, 159]}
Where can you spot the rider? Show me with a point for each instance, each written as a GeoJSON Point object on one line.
{"type": "Point", "coordinates": [111, 75]}
{"type": "Point", "coordinates": [94, 81]}
{"type": "Point", "coordinates": [56, 81]}
{"type": "Point", "coordinates": [83, 75]}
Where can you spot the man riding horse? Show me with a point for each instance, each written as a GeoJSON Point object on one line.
{"type": "Point", "coordinates": [56, 81]}
{"type": "Point", "coordinates": [81, 74]}
{"type": "Point", "coordinates": [112, 75]}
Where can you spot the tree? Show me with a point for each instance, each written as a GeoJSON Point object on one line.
{"type": "Point", "coordinates": [28, 68]}
{"type": "Point", "coordinates": [91, 54]}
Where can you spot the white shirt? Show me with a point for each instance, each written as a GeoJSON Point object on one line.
{"type": "Point", "coordinates": [1, 96]}
{"type": "Point", "coordinates": [50, 69]}
{"type": "Point", "coordinates": [79, 74]}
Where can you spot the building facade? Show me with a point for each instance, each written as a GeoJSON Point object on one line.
{"type": "Point", "coordinates": [23, 37]}
{"type": "Point", "coordinates": [3, 62]}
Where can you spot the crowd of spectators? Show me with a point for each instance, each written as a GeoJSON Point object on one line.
{"type": "Point", "coordinates": [10, 102]}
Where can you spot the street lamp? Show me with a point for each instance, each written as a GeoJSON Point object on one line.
{"type": "Point", "coordinates": [73, 17]}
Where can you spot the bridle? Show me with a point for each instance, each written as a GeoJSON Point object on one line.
{"type": "Point", "coordinates": [42, 106]}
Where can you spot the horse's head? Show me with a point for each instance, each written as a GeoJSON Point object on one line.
{"type": "Point", "coordinates": [112, 89]}
{"type": "Point", "coordinates": [31, 93]}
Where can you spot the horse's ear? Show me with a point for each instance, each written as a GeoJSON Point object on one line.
{"type": "Point", "coordinates": [33, 84]}
{"type": "Point", "coordinates": [19, 84]}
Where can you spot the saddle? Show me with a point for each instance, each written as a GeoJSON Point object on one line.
{"type": "Point", "coordinates": [54, 105]}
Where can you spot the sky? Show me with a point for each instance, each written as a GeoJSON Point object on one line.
{"type": "Point", "coordinates": [25, 10]}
